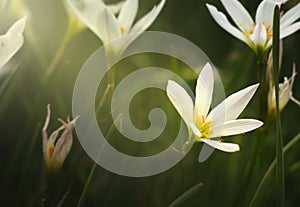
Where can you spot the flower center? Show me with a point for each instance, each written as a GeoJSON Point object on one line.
{"type": "Point", "coordinates": [204, 127]}
{"type": "Point", "coordinates": [268, 27]}
{"type": "Point", "coordinates": [122, 30]}
{"type": "Point", "coordinates": [51, 151]}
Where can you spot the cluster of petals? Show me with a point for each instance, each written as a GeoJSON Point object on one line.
{"type": "Point", "coordinates": [257, 34]}
{"type": "Point", "coordinates": [113, 22]}
{"type": "Point", "coordinates": [285, 93]}
{"type": "Point", "coordinates": [56, 148]}
{"type": "Point", "coordinates": [220, 121]}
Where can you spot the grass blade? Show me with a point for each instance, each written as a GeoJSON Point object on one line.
{"type": "Point", "coordinates": [271, 168]}
{"type": "Point", "coordinates": [185, 196]}
{"type": "Point", "coordinates": [280, 188]}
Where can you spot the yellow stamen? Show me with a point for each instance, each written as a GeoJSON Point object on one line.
{"type": "Point", "coordinates": [207, 124]}
{"type": "Point", "coordinates": [202, 119]}
{"type": "Point", "coordinates": [204, 127]}
{"type": "Point", "coordinates": [269, 34]}
{"type": "Point", "coordinates": [51, 151]}
{"type": "Point", "coordinates": [122, 30]}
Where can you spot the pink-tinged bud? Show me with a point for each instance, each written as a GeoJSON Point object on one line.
{"type": "Point", "coordinates": [285, 93]}
{"type": "Point", "coordinates": [56, 152]}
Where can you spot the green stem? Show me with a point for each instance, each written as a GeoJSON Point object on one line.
{"type": "Point", "coordinates": [104, 96]}
{"type": "Point", "coordinates": [70, 32]}
{"type": "Point", "coordinates": [84, 193]}
{"type": "Point", "coordinates": [185, 196]}
{"type": "Point", "coordinates": [261, 68]}
{"type": "Point", "coordinates": [261, 135]}
{"type": "Point", "coordinates": [280, 189]}
{"type": "Point", "coordinates": [87, 186]}
{"type": "Point", "coordinates": [271, 167]}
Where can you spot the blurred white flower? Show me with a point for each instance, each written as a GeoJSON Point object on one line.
{"type": "Point", "coordinates": [102, 21]}
{"type": "Point", "coordinates": [91, 7]}
{"type": "Point", "coordinates": [56, 151]}
{"type": "Point", "coordinates": [12, 41]}
{"type": "Point", "coordinates": [222, 120]}
{"type": "Point", "coordinates": [285, 93]}
{"type": "Point", "coordinates": [258, 34]}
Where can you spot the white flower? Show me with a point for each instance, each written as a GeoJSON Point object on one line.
{"type": "Point", "coordinates": [12, 41]}
{"type": "Point", "coordinates": [285, 93]}
{"type": "Point", "coordinates": [56, 151]}
{"type": "Point", "coordinates": [102, 21]}
{"type": "Point", "coordinates": [89, 9]}
{"type": "Point", "coordinates": [258, 34]}
{"type": "Point", "coordinates": [221, 121]}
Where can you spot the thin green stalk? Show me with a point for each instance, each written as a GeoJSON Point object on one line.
{"type": "Point", "coordinates": [59, 54]}
{"type": "Point", "coordinates": [261, 136]}
{"type": "Point", "coordinates": [263, 93]}
{"type": "Point", "coordinates": [111, 57]}
{"type": "Point", "coordinates": [84, 193]}
{"type": "Point", "coordinates": [280, 188]}
{"type": "Point", "coordinates": [104, 96]}
{"type": "Point", "coordinates": [294, 167]}
{"type": "Point", "coordinates": [87, 186]}
{"type": "Point", "coordinates": [185, 196]}
{"type": "Point", "coordinates": [271, 167]}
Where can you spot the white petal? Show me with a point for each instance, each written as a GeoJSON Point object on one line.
{"type": "Point", "coordinates": [18, 27]}
{"type": "Point", "coordinates": [148, 19]}
{"type": "Point", "coordinates": [60, 154]}
{"type": "Point", "coordinates": [294, 100]}
{"type": "Point", "coordinates": [269, 43]}
{"type": "Point", "coordinates": [110, 29]}
{"type": "Point", "coordinates": [290, 16]}
{"type": "Point", "coordinates": [11, 42]}
{"type": "Point", "coordinates": [87, 11]}
{"type": "Point", "coordinates": [259, 35]}
{"type": "Point", "coordinates": [204, 91]}
{"type": "Point", "coordinates": [232, 105]}
{"type": "Point", "coordinates": [265, 12]}
{"type": "Point", "coordinates": [286, 31]}
{"type": "Point", "coordinates": [278, 2]}
{"type": "Point", "coordinates": [64, 144]}
{"type": "Point", "coordinates": [128, 14]}
{"type": "Point", "coordinates": [221, 19]}
{"type": "Point", "coordinates": [116, 7]}
{"type": "Point", "coordinates": [239, 14]}
{"type": "Point", "coordinates": [226, 147]}
{"type": "Point", "coordinates": [205, 152]}
{"type": "Point", "coordinates": [285, 90]}
{"type": "Point", "coordinates": [235, 127]}
{"type": "Point", "coordinates": [195, 129]}
{"type": "Point", "coordinates": [181, 101]}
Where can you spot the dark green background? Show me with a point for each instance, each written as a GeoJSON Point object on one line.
{"type": "Point", "coordinates": [25, 95]}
